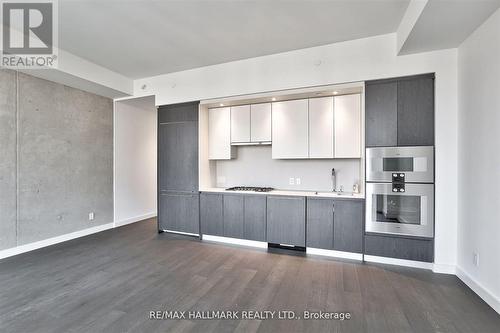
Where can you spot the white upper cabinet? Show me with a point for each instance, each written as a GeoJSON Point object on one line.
{"type": "Point", "coordinates": [290, 129]}
{"type": "Point", "coordinates": [321, 127]}
{"type": "Point", "coordinates": [219, 134]}
{"type": "Point", "coordinates": [260, 123]}
{"type": "Point", "coordinates": [347, 126]}
{"type": "Point", "coordinates": [240, 124]}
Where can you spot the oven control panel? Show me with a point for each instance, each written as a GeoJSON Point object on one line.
{"type": "Point", "coordinates": [398, 182]}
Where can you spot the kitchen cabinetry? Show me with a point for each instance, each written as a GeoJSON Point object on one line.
{"type": "Point", "coordinates": [234, 218]}
{"type": "Point", "coordinates": [290, 130]}
{"type": "Point", "coordinates": [251, 124]}
{"type": "Point", "coordinates": [212, 214]}
{"type": "Point", "coordinates": [347, 115]}
{"type": "Point", "coordinates": [179, 212]}
{"type": "Point", "coordinates": [400, 247]}
{"type": "Point", "coordinates": [320, 223]}
{"type": "Point", "coordinates": [416, 111]}
{"type": "Point", "coordinates": [381, 110]}
{"type": "Point", "coordinates": [219, 134]}
{"type": "Point", "coordinates": [286, 220]}
{"type": "Point", "coordinates": [348, 225]}
{"type": "Point", "coordinates": [260, 123]}
{"type": "Point", "coordinates": [400, 111]}
{"type": "Point", "coordinates": [255, 216]}
{"type": "Point", "coordinates": [178, 199]}
{"type": "Point", "coordinates": [240, 124]}
{"type": "Point", "coordinates": [335, 224]}
{"type": "Point", "coordinates": [321, 130]}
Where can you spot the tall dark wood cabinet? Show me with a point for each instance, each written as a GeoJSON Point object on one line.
{"type": "Point", "coordinates": [400, 111]}
{"type": "Point", "coordinates": [178, 196]}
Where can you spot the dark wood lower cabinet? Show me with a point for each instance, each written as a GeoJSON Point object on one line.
{"type": "Point", "coordinates": [233, 215]}
{"type": "Point", "coordinates": [179, 212]}
{"type": "Point", "coordinates": [399, 247]}
{"type": "Point", "coordinates": [335, 224]}
{"type": "Point", "coordinates": [286, 220]}
{"type": "Point", "coordinates": [211, 214]}
{"type": "Point", "coordinates": [255, 217]}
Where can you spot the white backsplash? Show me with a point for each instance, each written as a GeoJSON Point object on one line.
{"type": "Point", "coordinates": [254, 166]}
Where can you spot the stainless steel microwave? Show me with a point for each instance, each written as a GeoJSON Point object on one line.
{"type": "Point", "coordinates": [416, 163]}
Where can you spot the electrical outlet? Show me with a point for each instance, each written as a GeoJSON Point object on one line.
{"type": "Point", "coordinates": [475, 259]}
{"type": "Point", "coordinates": [297, 181]}
{"type": "Point", "coordinates": [291, 181]}
{"type": "Point", "coordinates": [91, 216]}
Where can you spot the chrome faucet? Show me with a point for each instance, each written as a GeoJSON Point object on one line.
{"type": "Point", "coordinates": [334, 180]}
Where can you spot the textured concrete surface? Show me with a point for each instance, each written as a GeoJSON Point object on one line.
{"type": "Point", "coordinates": [64, 164]}
{"type": "Point", "coordinates": [7, 159]}
{"type": "Point", "coordinates": [65, 159]}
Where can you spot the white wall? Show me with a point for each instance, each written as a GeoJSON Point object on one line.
{"type": "Point", "coordinates": [254, 166]}
{"type": "Point", "coordinates": [358, 60]}
{"type": "Point", "coordinates": [135, 159]}
{"type": "Point", "coordinates": [479, 160]}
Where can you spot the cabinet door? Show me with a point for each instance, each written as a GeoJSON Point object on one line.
{"type": "Point", "coordinates": [233, 215]}
{"type": "Point", "coordinates": [416, 112]}
{"type": "Point", "coordinates": [240, 123]}
{"type": "Point", "coordinates": [399, 247]}
{"type": "Point", "coordinates": [320, 223]}
{"type": "Point", "coordinates": [348, 225]}
{"type": "Point", "coordinates": [178, 156]}
{"type": "Point", "coordinates": [255, 217]}
{"type": "Point", "coordinates": [219, 134]}
{"type": "Point", "coordinates": [321, 127]}
{"type": "Point", "coordinates": [260, 122]}
{"type": "Point", "coordinates": [290, 129]}
{"type": "Point", "coordinates": [286, 220]}
{"type": "Point", "coordinates": [179, 212]}
{"type": "Point", "coordinates": [211, 214]}
{"type": "Point", "coordinates": [347, 126]}
{"type": "Point", "coordinates": [381, 111]}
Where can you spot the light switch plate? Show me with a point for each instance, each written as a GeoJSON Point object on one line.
{"type": "Point", "coordinates": [91, 216]}
{"type": "Point", "coordinates": [297, 181]}
{"type": "Point", "coordinates": [291, 181]}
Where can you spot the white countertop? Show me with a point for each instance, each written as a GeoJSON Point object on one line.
{"type": "Point", "coordinates": [343, 195]}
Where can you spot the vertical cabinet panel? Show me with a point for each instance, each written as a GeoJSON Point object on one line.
{"type": "Point", "coordinates": [290, 129]}
{"type": "Point", "coordinates": [381, 114]}
{"type": "Point", "coordinates": [233, 216]}
{"type": "Point", "coordinates": [416, 112]}
{"type": "Point", "coordinates": [321, 119]}
{"type": "Point", "coordinates": [179, 212]}
{"type": "Point", "coordinates": [255, 217]}
{"type": "Point", "coordinates": [348, 226]}
{"type": "Point", "coordinates": [178, 156]}
{"type": "Point", "coordinates": [286, 220]}
{"type": "Point", "coordinates": [347, 126]}
{"type": "Point", "coordinates": [211, 214]}
{"type": "Point", "coordinates": [240, 123]}
{"type": "Point", "coordinates": [320, 219]}
{"type": "Point", "coordinates": [219, 134]}
{"type": "Point", "coordinates": [260, 122]}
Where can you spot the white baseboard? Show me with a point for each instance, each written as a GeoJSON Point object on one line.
{"type": "Point", "coordinates": [444, 269]}
{"type": "Point", "coordinates": [135, 219]}
{"type": "Point", "coordinates": [334, 254]}
{"type": "Point", "coordinates": [487, 296]}
{"type": "Point", "coordinates": [236, 241]}
{"type": "Point", "coordinates": [54, 240]}
{"type": "Point", "coordinates": [399, 262]}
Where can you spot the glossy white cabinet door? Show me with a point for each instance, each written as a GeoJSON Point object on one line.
{"type": "Point", "coordinates": [321, 127]}
{"type": "Point", "coordinates": [219, 134]}
{"type": "Point", "coordinates": [261, 122]}
{"type": "Point", "coordinates": [290, 129]}
{"type": "Point", "coordinates": [347, 126]}
{"type": "Point", "coordinates": [240, 123]}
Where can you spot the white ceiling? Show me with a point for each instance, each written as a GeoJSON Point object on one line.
{"type": "Point", "coordinates": [140, 38]}
{"type": "Point", "coordinates": [446, 24]}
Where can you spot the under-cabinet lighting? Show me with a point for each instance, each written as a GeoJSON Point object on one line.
{"type": "Point", "coordinates": [335, 92]}
{"type": "Point", "coordinates": [221, 104]}
{"type": "Point", "coordinates": [273, 99]}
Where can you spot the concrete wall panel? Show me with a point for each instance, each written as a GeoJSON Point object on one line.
{"type": "Point", "coordinates": [7, 159]}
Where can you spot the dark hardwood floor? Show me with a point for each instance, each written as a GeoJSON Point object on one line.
{"type": "Point", "coordinates": [109, 282]}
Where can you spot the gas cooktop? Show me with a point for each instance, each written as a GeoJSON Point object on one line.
{"type": "Point", "coordinates": [253, 189]}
